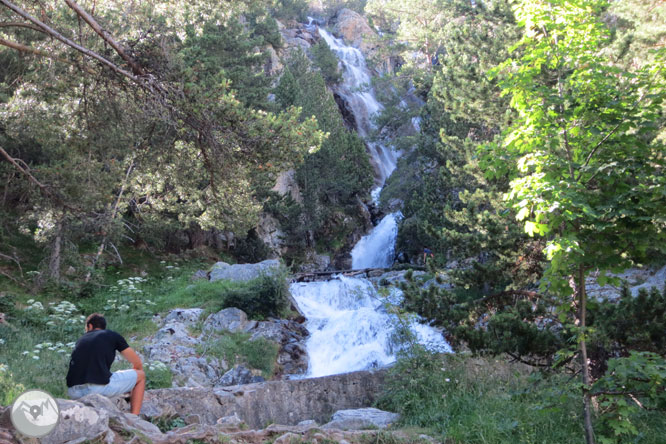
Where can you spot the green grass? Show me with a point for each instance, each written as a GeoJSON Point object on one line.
{"type": "Point", "coordinates": [165, 288]}
{"type": "Point", "coordinates": [464, 400]}
{"type": "Point", "coordinates": [237, 348]}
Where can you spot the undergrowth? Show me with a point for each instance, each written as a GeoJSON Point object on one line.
{"type": "Point", "coordinates": [237, 348]}
{"type": "Point", "coordinates": [465, 400]}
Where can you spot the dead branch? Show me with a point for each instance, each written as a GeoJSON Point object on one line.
{"type": "Point", "coordinates": [13, 259]}
{"type": "Point", "coordinates": [34, 51]}
{"type": "Point", "coordinates": [56, 35]}
{"type": "Point", "coordinates": [138, 70]}
{"type": "Point", "coordinates": [32, 178]}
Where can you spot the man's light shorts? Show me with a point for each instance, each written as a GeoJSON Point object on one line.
{"type": "Point", "coordinates": [122, 381]}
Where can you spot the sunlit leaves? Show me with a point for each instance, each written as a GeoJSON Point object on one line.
{"type": "Point", "coordinates": [585, 140]}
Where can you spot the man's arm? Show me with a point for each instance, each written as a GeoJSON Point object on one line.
{"type": "Point", "coordinates": [133, 358]}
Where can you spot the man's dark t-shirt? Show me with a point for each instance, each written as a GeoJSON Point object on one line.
{"type": "Point", "coordinates": [92, 357]}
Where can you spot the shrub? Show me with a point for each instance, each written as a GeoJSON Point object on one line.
{"type": "Point", "coordinates": [260, 298]}
{"type": "Point", "coordinates": [158, 375]}
{"type": "Point", "coordinates": [237, 348]}
{"type": "Point", "coordinates": [326, 61]}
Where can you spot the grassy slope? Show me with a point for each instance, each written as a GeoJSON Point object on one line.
{"type": "Point", "coordinates": [467, 400]}
{"type": "Point", "coordinates": [34, 347]}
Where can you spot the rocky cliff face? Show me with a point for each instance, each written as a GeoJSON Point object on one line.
{"type": "Point", "coordinates": [355, 30]}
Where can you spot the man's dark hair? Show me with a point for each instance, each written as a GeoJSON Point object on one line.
{"type": "Point", "coordinates": [97, 321]}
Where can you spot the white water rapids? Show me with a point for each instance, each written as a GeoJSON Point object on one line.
{"type": "Point", "coordinates": [349, 324]}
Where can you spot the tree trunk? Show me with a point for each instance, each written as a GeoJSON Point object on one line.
{"type": "Point", "coordinates": [54, 260]}
{"type": "Point", "coordinates": [582, 310]}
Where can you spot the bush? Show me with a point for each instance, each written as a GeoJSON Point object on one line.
{"type": "Point", "coordinates": [237, 348]}
{"type": "Point", "coordinates": [482, 400]}
{"type": "Point", "coordinates": [326, 61]}
{"type": "Point", "coordinates": [158, 375]}
{"type": "Point", "coordinates": [260, 298]}
{"type": "Point", "coordinates": [290, 10]}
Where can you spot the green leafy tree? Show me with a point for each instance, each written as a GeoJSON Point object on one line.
{"type": "Point", "coordinates": [590, 168]}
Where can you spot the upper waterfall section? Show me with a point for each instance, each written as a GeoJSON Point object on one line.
{"type": "Point", "coordinates": [356, 89]}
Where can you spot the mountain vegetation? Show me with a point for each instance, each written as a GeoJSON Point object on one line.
{"type": "Point", "coordinates": [534, 168]}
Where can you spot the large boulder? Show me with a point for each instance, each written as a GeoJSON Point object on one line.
{"type": "Point", "coordinates": [243, 272]}
{"type": "Point", "coordinates": [636, 279]}
{"type": "Point", "coordinates": [78, 422]}
{"type": "Point", "coordinates": [229, 319]}
{"type": "Point", "coordinates": [286, 183]}
{"type": "Point", "coordinates": [268, 230]}
{"type": "Point", "coordinates": [360, 419]}
{"type": "Point", "coordinates": [176, 343]}
{"type": "Point", "coordinates": [354, 29]}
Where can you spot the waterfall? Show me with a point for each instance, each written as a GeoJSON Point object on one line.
{"type": "Point", "coordinates": [350, 328]}
{"type": "Point", "coordinates": [357, 90]}
{"type": "Point", "coordinates": [349, 324]}
{"type": "Point", "coordinates": [377, 248]}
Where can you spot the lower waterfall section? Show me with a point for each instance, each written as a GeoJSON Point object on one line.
{"type": "Point", "coordinates": [350, 327]}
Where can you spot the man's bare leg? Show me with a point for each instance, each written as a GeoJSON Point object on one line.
{"type": "Point", "coordinates": [136, 398]}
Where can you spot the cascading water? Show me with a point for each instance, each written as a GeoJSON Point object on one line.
{"type": "Point", "coordinates": [377, 248]}
{"type": "Point", "coordinates": [357, 90]}
{"type": "Point", "coordinates": [350, 328]}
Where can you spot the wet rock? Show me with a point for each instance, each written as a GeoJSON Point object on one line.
{"type": "Point", "coordinates": [360, 419]}
{"type": "Point", "coordinates": [291, 337]}
{"type": "Point", "coordinates": [243, 272]}
{"type": "Point", "coordinates": [395, 277]}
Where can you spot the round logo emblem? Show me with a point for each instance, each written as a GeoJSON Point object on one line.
{"type": "Point", "coordinates": [35, 413]}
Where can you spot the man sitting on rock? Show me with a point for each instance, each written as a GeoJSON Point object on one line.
{"type": "Point", "coordinates": [90, 365]}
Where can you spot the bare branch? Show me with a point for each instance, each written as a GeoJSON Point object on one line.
{"type": "Point", "coordinates": [34, 51]}
{"type": "Point", "coordinates": [56, 35]}
{"type": "Point", "coordinates": [20, 25]}
{"type": "Point", "coordinates": [32, 178]}
{"type": "Point", "coordinates": [106, 36]}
